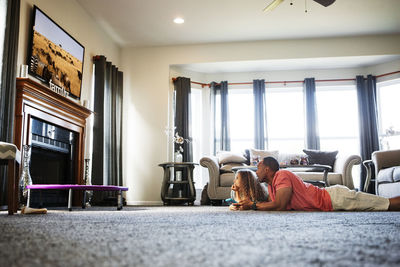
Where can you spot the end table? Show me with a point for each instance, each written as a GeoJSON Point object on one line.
{"type": "Point", "coordinates": [178, 185]}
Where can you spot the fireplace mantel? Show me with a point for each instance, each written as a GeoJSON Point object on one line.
{"type": "Point", "coordinates": [36, 100]}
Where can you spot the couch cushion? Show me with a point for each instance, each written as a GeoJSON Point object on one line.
{"type": "Point", "coordinates": [321, 157]}
{"type": "Point", "coordinates": [226, 179]}
{"type": "Point", "coordinates": [396, 175]}
{"type": "Point", "coordinates": [225, 157]}
{"type": "Point", "coordinates": [389, 190]}
{"type": "Point", "coordinates": [333, 178]}
{"type": "Point", "coordinates": [389, 175]}
{"type": "Point", "coordinates": [256, 154]}
{"type": "Point", "coordinates": [228, 167]}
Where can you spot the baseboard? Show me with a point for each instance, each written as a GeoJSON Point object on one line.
{"type": "Point", "coordinates": [144, 203]}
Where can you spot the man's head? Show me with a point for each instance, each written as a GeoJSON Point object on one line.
{"type": "Point", "coordinates": [267, 169]}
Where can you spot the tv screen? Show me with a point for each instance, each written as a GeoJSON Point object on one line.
{"type": "Point", "coordinates": [55, 55]}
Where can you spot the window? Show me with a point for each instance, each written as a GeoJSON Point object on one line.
{"type": "Point", "coordinates": [217, 121]}
{"type": "Point", "coordinates": [338, 118]}
{"type": "Point", "coordinates": [196, 113]}
{"type": "Point", "coordinates": [285, 119]}
{"type": "Point", "coordinates": [388, 95]}
{"type": "Point", "coordinates": [338, 121]}
{"type": "Point", "coordinates": [241, 119]}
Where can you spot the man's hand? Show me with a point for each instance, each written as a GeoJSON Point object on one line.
{"type": "Point", "coordinates": [244, 205]}
{"type": "Point", "coordinates": [234, 207]}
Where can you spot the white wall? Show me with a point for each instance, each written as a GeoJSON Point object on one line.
{"type": "Point", "coordinates": [147, 87]}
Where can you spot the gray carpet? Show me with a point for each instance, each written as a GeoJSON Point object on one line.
{"type": "Point", "coordinates": [199, 236]}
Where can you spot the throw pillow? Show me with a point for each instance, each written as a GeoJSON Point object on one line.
{"type": "Point", "coordinates": [225, 157]}
{"type": "Point", "coordinates": [321, 157]}
{"type": "Point", "coordinates": [258, 155]}
{"type": "Point", "coordinates": [286, 158]}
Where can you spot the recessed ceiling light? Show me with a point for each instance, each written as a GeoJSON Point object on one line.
{"type": "Point", "coordinates": [179, 20]}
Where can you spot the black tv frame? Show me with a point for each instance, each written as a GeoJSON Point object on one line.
{"type": "Point", "coordinates": [30, 49]}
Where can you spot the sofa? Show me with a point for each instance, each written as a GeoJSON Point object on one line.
{"type": "Point", "coordinates": [221, 175]}
{"type": "Point", "coordinates": [387, 172]}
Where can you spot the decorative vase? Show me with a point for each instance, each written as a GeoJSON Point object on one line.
{"type": "Point", "coordinates": [88, 181]}
{"type": "Point", "coordinates": [25, 178]}
{"type": "Point", "coordinates": [178, 156]}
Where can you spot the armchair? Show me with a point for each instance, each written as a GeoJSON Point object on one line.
{"type": "Point", "coordinates": [387, 172]}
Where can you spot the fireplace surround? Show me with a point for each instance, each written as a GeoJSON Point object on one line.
{"type": "Point", "coordinates": [55, 128]}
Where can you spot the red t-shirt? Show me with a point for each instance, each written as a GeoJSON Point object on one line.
{"type": "Point", "coordinates": [305, 196]}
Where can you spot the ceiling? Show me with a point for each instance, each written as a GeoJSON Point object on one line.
{"type": "Point", "coordinates": [150, 22]}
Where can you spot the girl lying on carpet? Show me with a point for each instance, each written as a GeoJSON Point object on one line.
{"type": "Point", "coordinates": [287, 191]}
{"type": "Point", "coordinates": [247, 187]}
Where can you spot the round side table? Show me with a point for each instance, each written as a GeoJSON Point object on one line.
{"type": "Point", "coordinates": [178, 186]}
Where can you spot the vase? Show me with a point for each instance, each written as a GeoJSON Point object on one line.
{"type": "Point", "coordinates": [25, 178]}
{"type": "Point", "coordinates": [178, 156]}
{"type": "Point", "coordinates": [88, 181]}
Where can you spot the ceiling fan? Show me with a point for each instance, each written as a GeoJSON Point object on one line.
{"type": "Point", "coordinates": [276, 3]}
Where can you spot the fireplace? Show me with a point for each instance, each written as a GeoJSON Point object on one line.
{"type": "Point", "coordinates": [54, 126]}
{"type": "Point", "coordinates": [53, 147]}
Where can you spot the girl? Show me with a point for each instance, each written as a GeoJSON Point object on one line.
{"type": "Point", "coordinates": [246, 186]}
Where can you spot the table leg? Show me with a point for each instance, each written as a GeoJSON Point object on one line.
{"type": "Point", "coordinates": [119, 199]}
{"type": "Point", "coordinates": [70, 200]}
{"type": "Point", "coordinates": [84, 200]}
{"type": "Point", "coordinates": [12, 193]}
{"type": "Point", "coordinates": [29, 198]}
{"type": "Point", "coordinates": [191, 183]}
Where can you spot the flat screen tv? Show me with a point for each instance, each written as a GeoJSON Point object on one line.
{"type": "Point", "coordinates": [55, 55]}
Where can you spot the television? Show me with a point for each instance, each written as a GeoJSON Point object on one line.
{"type": "Point", "coordinates": [54, 55]}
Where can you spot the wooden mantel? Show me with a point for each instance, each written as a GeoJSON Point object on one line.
{"type": "Point", "coordinates": [36, 100]}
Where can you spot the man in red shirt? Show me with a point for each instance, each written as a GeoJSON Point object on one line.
{"type": "Point", "coordinates": [287, 191]}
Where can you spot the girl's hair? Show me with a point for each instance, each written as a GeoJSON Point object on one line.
{"type": "Point", "coordinates": [250, 186]}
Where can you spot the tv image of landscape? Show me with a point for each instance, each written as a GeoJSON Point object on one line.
{"type": "Point", "coordinates": [55, 55]}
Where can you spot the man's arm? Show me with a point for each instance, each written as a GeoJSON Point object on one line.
{"type": "Point", "coordinates": [282, 198]}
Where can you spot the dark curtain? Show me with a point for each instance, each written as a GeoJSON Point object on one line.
{"type": "Point", "coordinates": [213, 94]}
{"type": "Point", "coordinates": [107, 125]}
{"type": "Point", "coordinates": [367, 111]}
{"type": "Point", "coordinates": [312, 140]}
{"type": "Point", "coordinates": [225, 139]}
{"type": "Point", "coordinates": [183, 116]}
{"type": "Point", "coordinates": [259, 114]}
{"type": "Point", "coordinates": [225, 136]}
{"type": "Point", "coordinates": [7, 84]}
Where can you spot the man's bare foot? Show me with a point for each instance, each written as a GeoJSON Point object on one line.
{"type": "Point", "coordinates": [394, 204]}
{"type": "Point", "coordinates": [27, 210]}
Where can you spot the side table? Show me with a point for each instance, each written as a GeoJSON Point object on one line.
{"type": "Point", "coordinates": [178, 186]}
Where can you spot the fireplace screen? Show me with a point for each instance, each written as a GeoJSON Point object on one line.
{"type": "Point", "coordinates": [52, 162]}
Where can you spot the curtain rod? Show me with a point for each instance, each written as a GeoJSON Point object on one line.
{"type": "Point", "coordinates": [285, 82]}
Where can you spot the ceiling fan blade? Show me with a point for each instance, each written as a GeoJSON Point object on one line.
{"type": "Point", "coordinates": [273, 4]}
{"type": "Point", "coordinates": [325, 3]}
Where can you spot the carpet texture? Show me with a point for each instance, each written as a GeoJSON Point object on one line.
{"type": "Point", "coordinates": [199, 236]}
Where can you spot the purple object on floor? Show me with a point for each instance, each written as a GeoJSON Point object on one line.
{"type": "Point", "coordinates": [71, 187]}
{"type": "Point", "coordinates": [78, 187]}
